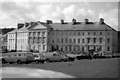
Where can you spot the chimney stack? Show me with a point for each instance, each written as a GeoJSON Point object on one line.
{"type": "Point", "coordinates": [27, 24]}
{"type": "Point", "coordinates": [20, 25]}
{"type": "Point", "coordinates": [62, 21]}
{"type": "Point", "coordinates": [49, 21]}
{"type": "Point", "coordinates": [101, 21]}
{"type": "Point", "coordinates": [86, 21]}
{"type": "Point", "coordinates": [73, 21]}
{"type": "Point", "coordinates": [31, 23]}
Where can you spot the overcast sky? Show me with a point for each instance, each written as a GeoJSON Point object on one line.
{"type": "Point", "coordinates": [18, 11]}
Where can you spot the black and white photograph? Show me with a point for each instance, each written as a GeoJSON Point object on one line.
{"type": "Point", "coordinates": [59, 39]}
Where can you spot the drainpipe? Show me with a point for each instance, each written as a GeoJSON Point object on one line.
{"type": "Point", "coordinates": [16, 40]}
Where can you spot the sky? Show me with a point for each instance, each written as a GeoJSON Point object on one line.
{"type": "Point", "coordinates": [21, 11]}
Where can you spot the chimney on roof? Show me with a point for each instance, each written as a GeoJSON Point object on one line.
{"type": "Point", "coordinates": [62, 21]}
{"type": "Point", "coordinates": [101, 21]}
{"type": "Point", "coordinates": [27, 24]}
{"type": "Point", "coordinates": [73, 21]}
{"type": "Point", "coordinates": [20, 25]}
{"type": "Point", "coordinates": [86, 21]}
{"type": "Point", "coordinates": [49, 21]}
{"type": "Point", "coordinates": [31, 23]}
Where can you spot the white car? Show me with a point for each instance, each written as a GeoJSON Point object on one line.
{"type": "Point", "coordinates": [39, 58]}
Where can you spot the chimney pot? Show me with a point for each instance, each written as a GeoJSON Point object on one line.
{"type": "Point", "coordinates": [31, 23]}
{"type": "Point", "coordinates": [62, 21]}
{"type": "Point", "coordinates": [27, 24]}
{"type": "Point", "coordinates": [20, 25]}
{"type": "Point", "coordinates": [101, 21]}
{"type": "Point", "coordinates": [86, 21]}
{"type": "Point", "coordinates": [73, 21]}
{"type": "Point", "coordinates": [49, 21]}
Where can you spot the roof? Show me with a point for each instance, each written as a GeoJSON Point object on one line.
{"type": "Point", "coordinates": [23, 29]}
{"type": "Point", "coordinates": [13, 31]}
{"type": "Point", "coordinates": [80, 26]}
{"type": "Point", "coordinates": [68, 26]}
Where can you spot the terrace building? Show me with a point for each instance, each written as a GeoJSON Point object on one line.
{"type": "Point", "coordinates": [64, 36]}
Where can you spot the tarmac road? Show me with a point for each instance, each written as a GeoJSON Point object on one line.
{"type": "Point", "coordinates": [96, 68]}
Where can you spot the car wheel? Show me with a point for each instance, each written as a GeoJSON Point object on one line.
{"type": "Point", "coordinates": [3, 61]}
{"type": "Point", "coordinates": [10, 62]}
{"type": "Point", "coordinates": [42, 62]}
{"type": "Point", "coordinates": [26, 62]}
{"type": "Point", "coordinates": [37, 61]}
{"type": "Point", "coordinates": [19, 61]}
{"type": "Point", "coordinates": [47, 60]}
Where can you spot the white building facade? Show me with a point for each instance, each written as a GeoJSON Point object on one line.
{"type": "Point", "coordinates": [67, 37]}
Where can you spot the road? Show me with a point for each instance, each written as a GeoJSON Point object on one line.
{"type": "Point", "coordinates": [96, 68]}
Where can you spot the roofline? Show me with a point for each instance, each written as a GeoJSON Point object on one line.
{"type": "Point", "coordinates": [111, 27]}
{"type": "Point", "coordinates": [81, 30]}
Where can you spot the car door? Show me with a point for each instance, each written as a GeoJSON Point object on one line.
{"type": "Point", "coordinates": [54, 58]}
{"type": "Point", "coordinates": [13, 57]}
{"type": "Point", "coordinates": [9, 58]}
{"type": "Point", "coordinates": [30, 57]}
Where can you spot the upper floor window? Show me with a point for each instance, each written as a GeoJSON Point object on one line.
{"type": "Point", "coordinates": [100, 48]}
{"type": "Point", "coordinates": [74, 40]}
{"type": "Point", "coordinates": [43, 33]}
{"type": "Point", "coordinates": [108, 33]}
{"type": "Point", "coordinates": [33, 34]}
{"type": "Point", "coordinates": [29, 33]}
{"type": "Point", "coordinates": [94, 40]}
{"type": "Point", "coordinates": [78, 33]}
{"type": "Point", "coordinates": [70, 40]}
{"type": "Point", "coordinates": [52, 41]}
{"type": "Point", "coordinates": [53, 33]}
{"type": "Point", "coordinates": [94, 33]}
{"type": "Point", "coordinates": [88, 33]}
{"type": "Point", "coordinates": [62, 40]}
{"type": "Point", "coordinates": [83, 33]}
{"type": "Point", "coordinates": [88, 40]}
{"type": "Point", "coordinates": [108, 49]}
{"type": "Point", "coordinates": [100, 33]}
{"type": "Point", "coordinates": [108, 40]}
{"type": "Point", "coordinates": [66, 40]}
{"type": "Point", "coordinates": [58, 40]}
{"type": "Point", "coordinates": [100, 40]}
{"type": "Point", "coordinates": [43, 47]}
{"type": "Point", "coordinates": [38, 33]}
{"type": "Point", "coordinates": [74, 33]}
{"type": "Point", "coordinates": [78, 40]}
{"type": "Point", "coordinates": [44, 40]}
{"type": "Point", "coordinates": [83, 41]}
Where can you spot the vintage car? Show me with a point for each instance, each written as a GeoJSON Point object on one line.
{"type": "Point", "coordinates": [71, 57]}
{"type": "Point", "coordinates": [52, 57]}
{"type": "Point", "coordinates": [18, 57]}
{"type": "Point", "coordinates": [39, 58]}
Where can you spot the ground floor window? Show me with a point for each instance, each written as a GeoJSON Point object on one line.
{"type": "Point", "coordinates": [108, 49]}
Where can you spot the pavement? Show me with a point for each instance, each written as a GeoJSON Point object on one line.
{"type": "Point", "coordinates": [17, 72]}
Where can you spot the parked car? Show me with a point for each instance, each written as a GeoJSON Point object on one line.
{"type": "Point", "coordinates": [83, 56]}
{"type": "Point", "coordinates": [18, 57]}
{"type": "Point", "coordinates": [102, 55]}
{"type": "Point", "coordinates": [71, 57]}
{"type": "Point", "coordinates": [52, 57]}
{"type": "Point", "coordinates": [39, 58]}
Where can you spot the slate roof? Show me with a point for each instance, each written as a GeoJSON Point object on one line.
{"type": "Point", "coordinates": [80, 26]}
{"type": "Point", "coordinates": [69, 26]}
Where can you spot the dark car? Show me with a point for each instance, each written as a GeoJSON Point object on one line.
{"type": "Point", "coordinates": [71, 57]}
